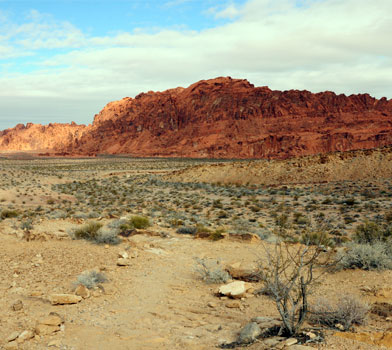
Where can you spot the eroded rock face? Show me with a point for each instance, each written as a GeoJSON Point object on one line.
{"type": "Point", "coordinates": [230, 118]}
{"type": "Point", "coordinates": [37, 137]}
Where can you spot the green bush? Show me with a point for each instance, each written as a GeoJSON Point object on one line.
{"type": "Point", "coordinates": [88, 231]}
{"type": "Point", "coordinates": [319, 238]}
{"type": "Point", "coordinates": [217, 235]}
{"type": "Point", "coordinates": [138, 222]}
{"type": "Point", "coordinates": [369, 232]}
{"type": "Point", "coordinates": [9, 213]}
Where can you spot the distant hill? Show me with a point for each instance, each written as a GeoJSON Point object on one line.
{"type": "Point", "coordinates": [218, 118]}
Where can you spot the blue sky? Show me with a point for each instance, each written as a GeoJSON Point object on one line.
{"type": "Point", "coordinates": [63, 60]}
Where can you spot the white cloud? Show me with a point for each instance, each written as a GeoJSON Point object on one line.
{"type": "Point", "coordinates": [339, 45]}
{"type": "Point", "coordinates": [231, 11]}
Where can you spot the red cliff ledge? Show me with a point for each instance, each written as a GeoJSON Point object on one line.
{"type": "Point", "coordinates": [218, 118]}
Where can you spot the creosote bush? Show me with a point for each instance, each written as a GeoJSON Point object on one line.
{"type": "Point", "coordinates": [347, 312]}
{"type": "Point", "coordinates": [88, 231]}
{"type": "Point", "coordinates": [211, 271]}
{"type": "Point", "coordinates": [370, 232]}
{"type": "Point", "coordinates": [135, 222]}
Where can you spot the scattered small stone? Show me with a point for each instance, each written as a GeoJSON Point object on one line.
{"type": "Point", "coordinates": [25, 335]}
{"type": "Point", "coordinates": [55, 343]}
{"type": "Point", "coordinates": [123, 262]}
{"type": "Point", "coordinates": [211, 305]}
{"type": "Point", "coordinates": [133, 254]}
{"type": "Point", "coordinates": [266, 322]}
{"type": "Point", "coordinates": [12, 336]}
{"type": "Point", "coordinates": [97, 293]}
{"type": "Point", "coordinates": [233, 304]}
{"type": "Point", "coordinates": [51, 320]}
{"type": "Point", "coordinates": [61, 299]}
{"type": "Point", "coordinates": [43, 329]}
{"type": "Point", "coordinates": [123, 255]}
{"type": "Point", "coordinates": [82, 291]}
{"type": "Point", "coordinates": [311, 335]}
{"type": "Point", "coordinates": [13, 345]}
{"type": "Point", "coordinates": [235, 289]}
{"type": "Point", "coordinates": [249, 333]}
{"type": "Point", "coordinates": [291, 341]}
{"type": "Point", "coordinates": [339, 326]}
{"type": "Point", "coordinates": [242, 272]}
{"type": "Point", "coordinates": [299, 347]}
{"type": "Point", "coordinates": [273, 341]}
{"type": "Point", "coordinates": [17, 305]}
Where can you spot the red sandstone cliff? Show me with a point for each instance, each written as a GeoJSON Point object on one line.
{"type": "Point", "coordinates": [230, 118]}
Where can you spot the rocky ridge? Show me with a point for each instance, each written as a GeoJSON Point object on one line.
{"type": "Point", "coordinates": [220, 118]}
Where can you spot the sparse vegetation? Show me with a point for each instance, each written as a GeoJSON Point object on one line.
{"type": "Point", "coordinates": [347, 312]}
{"type": "Point", "coordinates": [88, 231]}
{"type": "Point", "coordinates": [9, 213]}
{"type": "Point", "coordinates": [211, 271]}
{"type": "Point", "coordinates": [289, 275]}
{"type": "Point", "coordinates": [377, 256]}
{"type": "Point", "coordinates": [90, 279]}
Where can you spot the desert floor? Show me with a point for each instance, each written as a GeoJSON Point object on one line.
{"type": "Point", "coordinates": [157, 299]}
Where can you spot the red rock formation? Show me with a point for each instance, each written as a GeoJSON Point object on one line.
{"type": "Point", "coordinates": [230, 118]}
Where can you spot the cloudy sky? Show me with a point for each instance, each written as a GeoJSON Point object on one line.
{"type": "Point", "coordinates": [63, 60]}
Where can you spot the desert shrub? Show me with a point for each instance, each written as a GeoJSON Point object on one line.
{"type": "Point", "coordinates": [90, 279]}
{"type": "Point", "coordinates": [347, 312]}
{"type": "Point", "coordinates": [106, 235]}
{"type": "Point", "coordinates": [138, 222]}
{"type": "Point", "coordinates": [320, 238]}
{"type": "Point", "coordinates": [186, 230]}
{"type": "Point", "coordinates": [200, 228]}
{"type": "Point", "coordinates": [88, 231]}
{"type": "Point", "coordinates": [388, 216]}
{"type": "Point", "coordinates": [9, 213]}
{"type": "Point", "coordinates": [289, 275]}
{"type": "Point", "coordinates": [211, 271]}
{"type": "Point", "coordinates": [26, 224]}
{"type": "Point", "coordinates": [370, 232]}
{"type": "Point", "coordinates": [117, 223]}
{"type": "Point", "coordinates": [217, 235]}
{"type": "Point", "coordinates": [375, 256]}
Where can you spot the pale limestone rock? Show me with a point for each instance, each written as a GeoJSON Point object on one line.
{"type": "Point", "coordinates": [51, 320]}
{"type": "Point", "coordinates": [56, 299]}
{"type": "Point", "coordinates": [44, 329]}
{"type": "Point", "coordinates": [235, 289]}
{"type": "Point", "coordinates": [123, 262]}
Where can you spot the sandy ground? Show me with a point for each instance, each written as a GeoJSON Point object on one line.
{"type": "Point", "coordinates": [158, 302]}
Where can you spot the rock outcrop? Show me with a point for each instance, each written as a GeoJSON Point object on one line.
{"type": "Point", "coordinates": [37, 137]}
{"type": "Point", "coordinates": [223, 118]}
